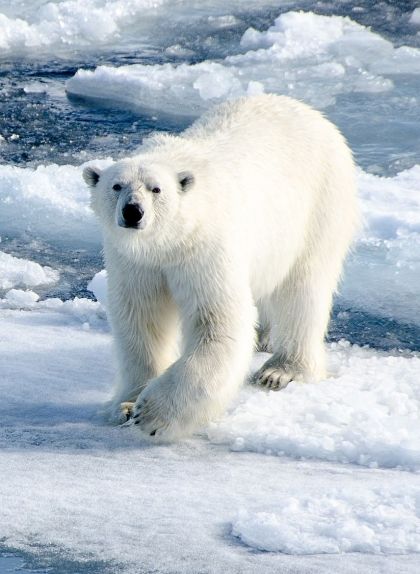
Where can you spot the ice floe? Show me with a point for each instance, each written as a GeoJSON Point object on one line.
{"type": "Point", "coordinates": [308, 56]}
{"type": "Point", "coordinates": [17, 272]}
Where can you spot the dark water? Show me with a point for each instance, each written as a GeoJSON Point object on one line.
{"type": "Point", "coordinates": [52, 563]}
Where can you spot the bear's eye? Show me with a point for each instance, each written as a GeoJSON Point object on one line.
{"type": "Point", "coordinates": [116, 187]}
{"type": "Point", "coordinates": [156, 190]}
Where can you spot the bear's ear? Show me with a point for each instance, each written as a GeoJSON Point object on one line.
{"type": "Point", "coordinates": [91, 175]}
{"type": "Point", "coordinates": [186, 180]}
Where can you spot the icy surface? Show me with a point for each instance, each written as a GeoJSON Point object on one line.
{"type": "Point", "coordinates": [17, 298]}
{"type": "Point", "coordinates": [99, 494]}
{"type": "Point", "coordinates": [15, 272]}
{"type": "Point", "coordinates": [304, 55]}
{"type": "Point", "coordinates": [367, 413]}
{"type": "Point", "coordinates": [378, 522]}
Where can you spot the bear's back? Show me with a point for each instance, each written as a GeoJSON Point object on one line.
{"type": "Point", "coordinates": [249, 127]}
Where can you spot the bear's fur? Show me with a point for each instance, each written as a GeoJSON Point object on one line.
{"type": "Point", "coordinates": [246, 217]}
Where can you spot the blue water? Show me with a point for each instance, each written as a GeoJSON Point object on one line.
{"type": "Point", "coordinates": [56, 563]}
{"type": "Point", "coordinates": [11, 563]}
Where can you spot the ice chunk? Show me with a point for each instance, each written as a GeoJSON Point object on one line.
{"type": "Point", "coordinates": [376, 522]}
{"type": "Point", "coordinates": [15, 272]}
{"type": "Point", "coordinates": [81, 311]}
{"type": "Point", "coordinates": [19, 299]}
{"type": "Point", "coordinates": [225, 21]}
{"type": "Point", "coordinates": [304, 55]}
{"type": "Point", "coordinates": [182, 89]}
{"type": "Point", "coordinates": [382, 275]}
{"type": "Point", "coordinates": [302, 34]}
{"type": "Point", "coordinates": [415, 17]}
{"type": "Point", "coordinates": [98, 286]}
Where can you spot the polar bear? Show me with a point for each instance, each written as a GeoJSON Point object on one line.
{"type": "Point", "coordinates": [243, 218]}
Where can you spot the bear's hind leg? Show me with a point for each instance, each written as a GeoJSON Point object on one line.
{"type": "Point", "coordinates": [263, 329]}
{"type": "Point", "coordinates": [300, 310]}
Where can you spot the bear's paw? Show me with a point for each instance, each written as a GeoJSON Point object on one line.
{"type": "Point", "coordinates": [276, 378]}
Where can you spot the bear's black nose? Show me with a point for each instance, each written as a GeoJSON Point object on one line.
{"type": "Point", "coordinates": [132, 213]}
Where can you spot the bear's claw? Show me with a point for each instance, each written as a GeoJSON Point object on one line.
{"type": "Point", "coordinates": [127, 410]}
{"type": "Point", "coordinates": [145, 414]}
{"type": "Point", "coordinates": [274, 378]}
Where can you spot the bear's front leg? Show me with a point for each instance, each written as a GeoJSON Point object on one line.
{"type": "Point", "coordinates": [219, 343]}
{"type": "Point", "coordinates": [144, 323]}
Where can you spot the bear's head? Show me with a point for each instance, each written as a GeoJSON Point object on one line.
{"type": "Point", "coordinates": [136, 198]}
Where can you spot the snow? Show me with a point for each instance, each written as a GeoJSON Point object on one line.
{"type": "Point", "coordinates": [304, 55]}
{"type": "Point", "coordinates": [337, 522]}
{"type": "Point", "coordinates": [366, 413]}
{"type": "Point", "coordinates": [15, 272]}
{"type": "Point", "coordinates": [391, 204]}
{"type": "Point", "coordinates": [101, 494]}
{"type": "Point", "coordinates": [88, 313]}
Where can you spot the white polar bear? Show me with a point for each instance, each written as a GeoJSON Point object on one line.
{"type": "Point", "coordinates": [250, 209]}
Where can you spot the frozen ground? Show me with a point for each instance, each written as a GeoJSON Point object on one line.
{"type": "Point", "coordinates": [328, 470]}
{"type": "Point", "coordinates": [314, 479]}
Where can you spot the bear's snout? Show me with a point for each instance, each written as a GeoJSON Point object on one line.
{"type": "Point", "coordinates": [132, 214]}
